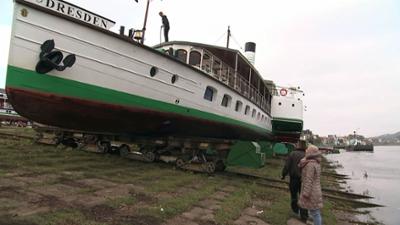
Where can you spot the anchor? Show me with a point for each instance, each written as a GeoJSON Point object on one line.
{"type": "Point", "coordinates": [50, 59]}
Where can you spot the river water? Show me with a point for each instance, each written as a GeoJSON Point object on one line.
{"type": "Point", "coordinates": [376, 174]}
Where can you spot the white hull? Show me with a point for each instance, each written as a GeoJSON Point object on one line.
{"type": "Point", "coordinates": [106, 61]}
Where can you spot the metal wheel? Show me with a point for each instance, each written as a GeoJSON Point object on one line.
{"type": "Point", "coordinates": [38, 137]}
{"type": "Point", "coordinates": [150, 156]}
{"type": "Point", "coordinates": [69, 142]}
{"type": "Point", "coordinates": [103, 146]}
{"type": "Point", "coordinates": [89, 139]}
{"type": "Point", "coordinates": [220, 166]}
{"type": "Point", "coordinates": [57, 140]}
{"type": "Point", "coordinates": [209, 167]}
{"type": "Point", "coordinates": [81, 145]}
{"type": "Point", "coordinates": [124, 150]}
{"type": "Point", "coordinates": [179, 163]}
{"type": "Point", "coordinates": [114, 150]}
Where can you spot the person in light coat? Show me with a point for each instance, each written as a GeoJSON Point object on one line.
{"type": "Point", "coordinates": [292, 169]}
{"type": "Point", "coordinates": [311, 193]}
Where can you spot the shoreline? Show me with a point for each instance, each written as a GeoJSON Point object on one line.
{"type": "Point", "coordinates": [355, 216]}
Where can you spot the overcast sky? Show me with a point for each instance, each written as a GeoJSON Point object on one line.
{"type": "Point", "coordinates": [343, 53]}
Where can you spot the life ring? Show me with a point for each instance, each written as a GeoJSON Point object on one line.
{"type": "Point", "coordinates": [283, 92]}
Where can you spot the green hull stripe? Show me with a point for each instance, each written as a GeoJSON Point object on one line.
{"type": "Point", "coordinates": [286, 126]}
{"type": "Point", "coordinates": [287, 120]}
{"type": "Point", "coordinates": [30, 80]}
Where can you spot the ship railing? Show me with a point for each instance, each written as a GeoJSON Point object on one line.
{"type": "Point", "coordinates": [249, 91]}
{"type": "Point", "coordinates": [226, 75]}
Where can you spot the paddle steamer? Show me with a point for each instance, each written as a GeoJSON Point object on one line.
{"type": "Point", "coordinates": [67, 69]}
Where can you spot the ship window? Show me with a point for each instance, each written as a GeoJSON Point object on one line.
{"type": "Point", "coordinates": [258, 116]}
{"type": "Point", "coordinates": [181, 54]}
{"type": "Point", "coordinates": [247, 110]}
{"type": "Point", "coordinates": [253, 113]}
{"type": "Point", "coordinates": [206, 66]}
{"type": "Point", "coordinates": [209, 93]}
{"type": "Point", "coordinates": [238, 106]}
{"type": "Point", "coordinates": [226, 100]}
{"type": "Point", "coordinates": [194, 58]}
{"type": "Point", "coordinates": [216, 67]}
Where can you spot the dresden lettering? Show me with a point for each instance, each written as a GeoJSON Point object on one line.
{"type": "Point", "coordinates": [75, 12]}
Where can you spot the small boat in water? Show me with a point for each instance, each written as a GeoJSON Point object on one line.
{"type": "Point", "coordinates": [360, 147]}
{"type": "Point", "coordinates": [355, 144]}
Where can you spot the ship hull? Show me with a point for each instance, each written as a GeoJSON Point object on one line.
{"type": "Point", "coordinates": [71, 105]}
{"type": "Point", "coordinates": [89, 116]}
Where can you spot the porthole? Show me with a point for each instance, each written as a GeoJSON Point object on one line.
{"type": "Point", "coordinates": [280, 103]}
{"type": "Point", "coordinates": [153, 71]}
{"type": "Point", "coordinates": [24, 12]}
{"type": "Point", "coordinates": [292, 105]}
{"type": "Point", "coordinates": [174, 78]}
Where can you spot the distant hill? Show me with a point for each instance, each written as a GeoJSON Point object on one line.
{"type": "Point", "coordinates": [387, 139]}
{"type": "Point", "coordinates": [389, 136]}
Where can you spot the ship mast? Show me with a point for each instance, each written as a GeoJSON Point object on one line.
{"type": "Point", "coordinates": [228, 36]}
{"type": "Point", "coordinates": [145, 21]}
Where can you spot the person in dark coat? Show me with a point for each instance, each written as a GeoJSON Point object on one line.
{"type": "Point", "coordinates": [291, 168]}
{"type": "Point", "coordinates": [165, 23]}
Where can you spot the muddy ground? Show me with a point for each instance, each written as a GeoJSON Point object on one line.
{"type": "Point", "coordinates": [44, 185]}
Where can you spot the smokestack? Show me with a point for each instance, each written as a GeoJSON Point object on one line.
{"type": "Point", "coordinates": [122, 31]}
{"type": "Point", "coordinates": [250, 51]}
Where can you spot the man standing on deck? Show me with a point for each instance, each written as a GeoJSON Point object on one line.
{"type": "Point", "coordinates": [291, 168]}
{"type": "Point", "coordinates": [165, 25]}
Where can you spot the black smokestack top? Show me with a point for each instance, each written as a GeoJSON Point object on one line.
{"type": "Point", "coordinates": [250, 51]}
{"type": "Point", "coordinates": [250, 47]}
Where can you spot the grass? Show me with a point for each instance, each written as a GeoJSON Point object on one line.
{"type": "Point", "coordinates": [63, 217]}
{"type": "Point", "coordinates": [232, 206]}
{"type": "Point", "coordinates": [167, 208]}
{"type": "Point", "coordinates": [121, 201]}
{"type": "Point", "coordinates": [165, 192]}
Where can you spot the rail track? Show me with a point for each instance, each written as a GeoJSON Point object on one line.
{"type": "Point", "coordinates": [15, 136]}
